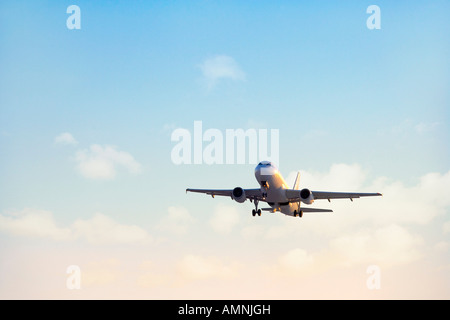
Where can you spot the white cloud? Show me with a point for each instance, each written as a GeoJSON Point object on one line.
{"type": "Point", "coordinates": [34, 223]}
{"type": "Point", "coordinates": [100, 273]}
{"type": "Point", "coordinates": [177, 221]}
{"type": "Point", "coordinates": [417, 204]}
{"type": "Point", "coordinates": [65, 138]}
{"type": "Point", "coordinates": [224, 219]}
{"type": "Point", "coordinates": [102, 162]}
{"type": "Point", "coordinates": [100, 229]}
{"type": "Point", "coordinates": [442, 246]}
{"type": "Point", "coordinates": [295, 260]}
{"type": "Point", "coordinates": [446, 227]}
{"type": "Point", "coordinates": [195, 267]}
{"type": "Point", "coordinates": [253, 231]}
{"type": "Point", "coordinates": [151, 277]}
{"type": "Point", "coordinates": [186, 270]}
{"type": "Point", "coordinates": [389, 245]}
{"type": "Point", "coordinates": [293, 264]}
{"type": "Point", "coordinates": [340, 177]}
{"type": "Point", "coordinates": [221, 67]}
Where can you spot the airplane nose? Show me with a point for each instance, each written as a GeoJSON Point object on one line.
{"type": "Point", "coordinates": [264, 170]}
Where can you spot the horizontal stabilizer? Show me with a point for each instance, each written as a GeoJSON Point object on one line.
{"type": "Point", "coordinates": [315, 210]}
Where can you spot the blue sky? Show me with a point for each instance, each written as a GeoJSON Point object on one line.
{"type": "Point", "coordinates": [339, 93]}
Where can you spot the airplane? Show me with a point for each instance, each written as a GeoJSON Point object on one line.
{"type": "Point", "coordinates": [274, 190]}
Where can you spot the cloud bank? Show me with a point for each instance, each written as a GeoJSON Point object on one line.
{"type": "Point", "coordinates": [405, 232]}
{"type": "Point", "coordinates": [99, 230]}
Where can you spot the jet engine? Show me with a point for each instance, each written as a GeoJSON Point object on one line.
{"type": "Point", "coordinates": [238, 194]}
{"type": "Point", "coordinates": [306, 196]}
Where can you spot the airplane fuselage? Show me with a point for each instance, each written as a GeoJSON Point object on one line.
{"type": "Point", "coordinates": [273, 187]}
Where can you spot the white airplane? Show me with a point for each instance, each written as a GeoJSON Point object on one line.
{"type": "Point", "coordinates": [278, 196]}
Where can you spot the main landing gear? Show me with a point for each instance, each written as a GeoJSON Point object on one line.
{"type": "Point", "coordinates": [300, 214]}
{"type": "Point", "coordinates": [256, 211]}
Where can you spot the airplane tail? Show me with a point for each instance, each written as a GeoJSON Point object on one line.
{"type": "Point", "coordinates": [297, 182]}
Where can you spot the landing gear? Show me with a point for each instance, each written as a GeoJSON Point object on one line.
{"type": "Point", "coordinates": [300, 214]}
{"type": "Point", "coordinates": [256, 211]}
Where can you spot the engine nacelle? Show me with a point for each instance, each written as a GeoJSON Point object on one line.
{"type": "Point", "coordinates": [306, 196]}
{"type": "Point", "coordinates": [238, 194]}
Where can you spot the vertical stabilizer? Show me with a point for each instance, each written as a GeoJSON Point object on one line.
{"type": "Point", "coordinates": [297, 181]}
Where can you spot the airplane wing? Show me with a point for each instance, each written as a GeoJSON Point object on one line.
{"type": "Point", "coordinates": [341, 195]}
{"type": "Point", "coordinates": [249, 193]}
{"type": "Point", "coordinates": [294, 195]}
